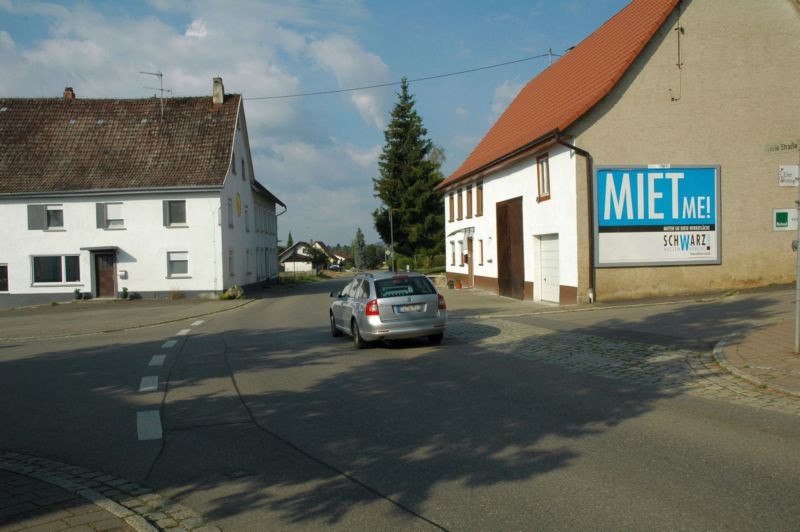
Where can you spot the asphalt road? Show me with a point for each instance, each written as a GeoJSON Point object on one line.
{"type": "Point", "coordinates": [269, 423]}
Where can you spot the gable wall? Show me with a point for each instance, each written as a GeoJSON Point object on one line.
{"type": "Point", "coordinates": [735, 94]}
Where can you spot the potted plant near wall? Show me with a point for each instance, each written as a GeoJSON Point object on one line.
{"type": "Point", "coordinates": [78, 294]}
{"type": "Point", "coordinates": [124, 293]}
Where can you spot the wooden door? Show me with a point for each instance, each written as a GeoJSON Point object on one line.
{"type": "Point", "coordinates": [4, 278]}
{"type": "Point", "coordinates": [510, 256]}
{"type": "Point", "coordinates": [105, 272]}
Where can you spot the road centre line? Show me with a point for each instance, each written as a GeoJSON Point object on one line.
{"type": "Point", "coordinates": [198, 322]}
{"type": "Point", "coordinates": [183, 332]}
{"type": "Point", "coordinates": [157, 360]}
{"type": "Point", "coordinates": [169, 343]}
{"type": "Point", "coordinates": [149, 384]}
{"type": "Point", "coordinates": [148, 425]}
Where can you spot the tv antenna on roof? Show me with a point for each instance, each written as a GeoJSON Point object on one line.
{"type": "Point", "coordinates": [160, 89]}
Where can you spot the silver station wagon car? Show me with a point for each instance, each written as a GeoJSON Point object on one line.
{"type": "Point", "coordinates": [388, 306]}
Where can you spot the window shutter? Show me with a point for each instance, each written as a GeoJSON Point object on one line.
{"type": "Point", "coordinates": [100, 210]}
{"type": "Point", "coordinates": [37, 217]}
{"type": "Point", "coordinates": [165, 205]}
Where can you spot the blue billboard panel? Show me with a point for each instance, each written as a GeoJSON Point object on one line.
{"type": "Point", "coordinates": [663, 215]}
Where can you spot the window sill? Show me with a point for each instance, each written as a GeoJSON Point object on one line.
{"type": "Point", "coordinates": [115, 228]}
{"type": "Point", "coordinates": [55, 230]}
{"type": "Point", "coordinates": [540, 199]}
{"type": "Point", "coordinates": [176, 226]}
{"type": "Point", "coordinates": [179, 277]}
{"type": "Point", "coordinates": [50, 285]}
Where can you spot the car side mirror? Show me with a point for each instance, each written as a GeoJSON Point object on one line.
{"type": "Point", "coordinates": [336, 294]}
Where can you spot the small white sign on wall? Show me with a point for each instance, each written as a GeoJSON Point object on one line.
{"type": "Point", "coordinates": [788, 175]}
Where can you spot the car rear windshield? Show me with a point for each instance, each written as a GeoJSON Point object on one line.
{"type": "Point", "coordinates": [404, 286]}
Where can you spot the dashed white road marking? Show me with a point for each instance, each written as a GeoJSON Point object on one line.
{"type": "Point", "coordinates": [148, 384]}
{"type": "Point", "coordinates": [148, 425]}
{"type": "Point", "coordinates": [183, 332]}
{"type": "Point", "coordinates": [169, 343]}
{"type": "Point", "coordinates": [157, 360]}
{"type": "Point", "coordinates": [198, 322]}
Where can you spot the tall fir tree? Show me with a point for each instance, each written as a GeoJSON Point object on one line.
{"type": "Point", "coordinates": [409, 168]}
{"type": "Point", "coordinates": [290, 240]}
{"type": "Point", "coordinates": [358, 250]}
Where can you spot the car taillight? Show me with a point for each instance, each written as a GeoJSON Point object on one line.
{"type": "Point", "coordinates": [442, 304]}
{"type": "Point", "coordinates": [372, 308]}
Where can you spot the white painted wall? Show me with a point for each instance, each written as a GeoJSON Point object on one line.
{"type": "Point", "coordinates": [143, 242]}
{"type": "Point", "coordinates": [254, 245]}
{"type": "Point", "coordinates": [556, 215]}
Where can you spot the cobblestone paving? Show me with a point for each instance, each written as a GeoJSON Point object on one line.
{"type": "Point", "coordinates": [671, 370]}
{"type": "Point", "coordinates": [114, 503]}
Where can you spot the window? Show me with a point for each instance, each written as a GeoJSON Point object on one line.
{"type": "Point", "coordinates": [469, 202]}
{"type": "Point", "coordinates": [175, 213]}
{"type": "Point", "coordinates": [230, 212]}
{"type": "Point", "coordinates": [452, 205]}
{"type": "Point", "coordinates": [246, 218]}
{"type": "Point", "coordinates": [3, 277]}
{"type": "Point", "coordinates": [109, 215]}
{"type": "Point", "coordinates": [177, 264]}
{"type": "Point", "coordinates": [461, 253]}
{"type": "Point", "coordinates": [402, 286]}
{"type": "Point", "coordinates": [247, 261]}
{"type": "Point", "coordinates": [243, 174]}
{"type": "Point", "coordinates": [233, 163]}
{"type": "Point", "coordinates": [460, 207]}
{"type": "Point", "coordinates": [56, 269]}
{"type": "Point", "coordinates": [543, 171]}
{"type": "Point", "coordinates": [55, 217]}
{"type": "Point", "coordinates": [45, 217]}
{"type": "Point", "coordinates": [230, 262]}
{"type": "Point", "coordinates": [452, 253]}
{"type": "Point", "coordinates": [480, 252]}
{"type": "Point", "coordinates": [479, 200]}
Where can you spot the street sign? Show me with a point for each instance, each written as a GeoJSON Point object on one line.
{"type": "Point", "coordinates": [782, 147]}
{"type": "Point", "coordinates": [788, 175]}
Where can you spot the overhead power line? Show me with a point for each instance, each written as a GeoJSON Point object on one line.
{"type": "Point", "coordinates": [391, 83]}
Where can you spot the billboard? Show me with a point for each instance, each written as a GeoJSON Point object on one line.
{"type": "Point", "coordinates": [656, 216]}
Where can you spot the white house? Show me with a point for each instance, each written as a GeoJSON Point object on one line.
{"type": "Point", "coordinates": [650, 160]}
{"type": "Point", "coordinates": [159, 197]}
{"type": "Point", "coordinates": [297, 257]}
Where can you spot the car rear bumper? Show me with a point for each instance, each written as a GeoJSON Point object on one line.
{"type": "Point", "coordinates": [373, 329]}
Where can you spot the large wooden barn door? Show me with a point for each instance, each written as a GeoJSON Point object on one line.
{"type": "Point", "coordinates": [510, 257]}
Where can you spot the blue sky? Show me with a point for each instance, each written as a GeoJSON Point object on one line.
{"type": "Point", "coordinates": [318, 154]}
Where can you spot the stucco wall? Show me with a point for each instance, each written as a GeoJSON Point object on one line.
{"type": "Point", "coordinates": [735, 93]}
{"type": "Point", "coordinates": [556, 215]}
{"type": "Point", "coordinates": [143, 242]}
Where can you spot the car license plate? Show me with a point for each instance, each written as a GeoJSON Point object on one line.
{"type": "Point", "coordinates": [402, 309]}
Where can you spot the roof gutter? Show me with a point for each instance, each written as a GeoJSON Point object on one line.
{"type": "Point", "coordinates": [591, 293]}
{"type": "Point", "coordinates": [550, 135]}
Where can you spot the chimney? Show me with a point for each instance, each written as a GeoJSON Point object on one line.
{"type": "Point", "coordinates": [219, 92]}
{"type": "Point", "coordinates": [69, 94]}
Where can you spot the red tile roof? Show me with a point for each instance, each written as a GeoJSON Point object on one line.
{"type": "Point", "coordinates": [570, 87]}
{"type": "Point", "coordinates": [59, 145]}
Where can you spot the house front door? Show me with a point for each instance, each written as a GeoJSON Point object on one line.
{"type": "Point", "coordinates": [105, 273]}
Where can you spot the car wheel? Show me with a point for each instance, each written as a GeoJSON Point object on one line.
{"type": "Point", "coordinates": [358, 341]}
{"type": "Point", "coordinates": [335, 332]}
{"type": "Point", "coordinates": [436, 338]}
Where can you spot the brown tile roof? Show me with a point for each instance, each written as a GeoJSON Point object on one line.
{"type": "Point", "coordinates": [566, 90]}
{"type": "Point", "coordinates": [55, 144]}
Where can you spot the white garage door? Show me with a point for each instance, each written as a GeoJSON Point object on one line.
{"type": "Point", "coordinates": [548, 265]}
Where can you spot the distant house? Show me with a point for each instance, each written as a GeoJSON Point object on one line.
{"type": "Point", "coordinates": [158, 197]}
{"type": "Point", "coordinates": [647, 161]}
{"type": "Point", "coordinates": [298, 257]}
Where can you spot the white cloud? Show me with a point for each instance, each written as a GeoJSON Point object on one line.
{"type": "Point", "coordinates": [354, 67]}
{"type": "Point", "coordinates": [367, 159]}
{"type": "Point", "coordinates": [461, 113]}
{"type": "Point", "coordinates": [197, 29]}
{"type": "Point", "coordinates": [503, 96]}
